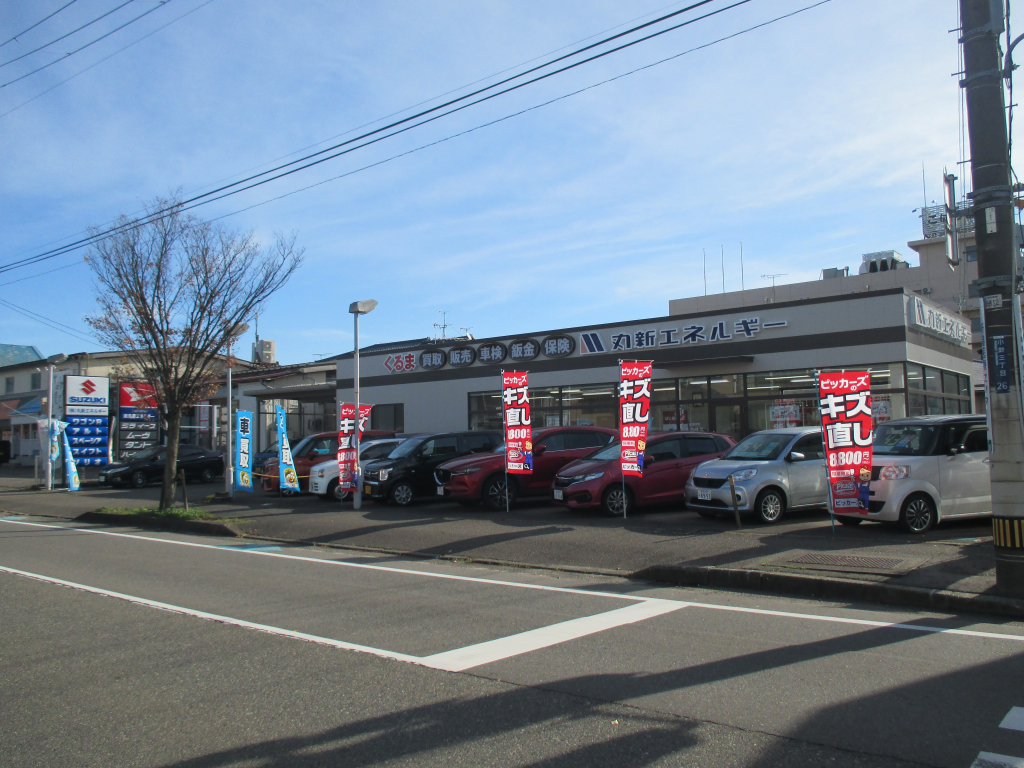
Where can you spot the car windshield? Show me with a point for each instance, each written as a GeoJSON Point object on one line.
{"type": "Point", "coordinates": [762, 446]}
{"type": "Point", "coordinates": [404, 449]}
{"type": "Point", "coordinates": [607, 453]}
{"type": "Point", "coordinates": [300, 446]}
{"type": "Point", "coordinates": [905, 439]}
{"type": "Point", "coordinates": [499, 449]}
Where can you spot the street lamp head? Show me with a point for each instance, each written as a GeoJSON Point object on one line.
{"type": "Point", "coordinates": [362, 307]}
{"type": "Point", "coordinates": [60, 357]}
{"type": "Point", "coordinates": [239, 329]}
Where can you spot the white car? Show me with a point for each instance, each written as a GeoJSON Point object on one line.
{"type": "Point", "coordinates": [323, 477]}
{"type": "Point", "coordinates": [928, 469]}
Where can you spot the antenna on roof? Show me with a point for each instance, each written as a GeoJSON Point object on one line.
{"type": "Point", "coordinates": [467, 330]}
{"type": "Point", "coordinates": [772, 278]}
{"type": "Point", "coordinates": [443, 325]}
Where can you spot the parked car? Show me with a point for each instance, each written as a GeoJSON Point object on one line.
{"type": "Point", "coordinates": [409, 471]}
{"type": "Point", "coordinates": [481, 477]}
{"type": "Point", "coordinates": [147, 466]}
{"type": "Point", "coordinates": [774, 471]}
{"type": "Point", "coordinates": [925, 470]}
{"type": "Point", "coordinates": [306, 453]}
{"type": "Point", "coordinates": [323, 477]}
{"type": "Point", "coordinates": [669, 458]}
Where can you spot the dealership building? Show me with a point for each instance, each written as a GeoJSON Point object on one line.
{"type": "Point", "coordinates": [733, 370]}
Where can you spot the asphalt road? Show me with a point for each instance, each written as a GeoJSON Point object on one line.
{"type": "Point", "coordinates": [120, 648]}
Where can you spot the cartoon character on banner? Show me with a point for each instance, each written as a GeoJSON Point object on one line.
{"type": "Point", "coordinates": [289, 479]}
{"type": "Point", "coordinates": [70, 467]}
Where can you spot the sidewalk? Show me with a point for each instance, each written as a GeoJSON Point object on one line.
{"type": "Point", "coordinates": [951, 568]}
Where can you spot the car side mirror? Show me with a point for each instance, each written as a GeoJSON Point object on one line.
{"type": "Point", "coordinates": [539, 450]}
{"type": "Point", "coordinates": [649, 459]}
{"type": "Point", "coordinates": [795, 456]}
{"type": "Point", "coordinates": [956, 449]}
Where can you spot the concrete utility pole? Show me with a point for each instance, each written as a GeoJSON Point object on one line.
{"type": "Point", "coordinates": [981, 25]}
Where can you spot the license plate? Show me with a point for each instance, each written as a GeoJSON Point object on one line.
{"type": "Point", "coordinates": [440, 490]}
{"type": "Point", "coordinates": [368, 490]}
{"type": "Point", "coordinates": [703, 494]}
{"type": "Point", "coordinates": [558, 494]}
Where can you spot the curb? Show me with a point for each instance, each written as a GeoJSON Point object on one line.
{"type": "Point", "coordinates": [207, 527]}
{"type": "Point", "coordinates": [831, 588]}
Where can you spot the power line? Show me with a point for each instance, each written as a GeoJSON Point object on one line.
{"type": "Point", "coordinates": [69, 34]}
{"type": "Point", "coordinates": [45, 18]}
{"type": "Point", "coordinates": [90, 43]}
{"type": "Point", "coordinates": [40, 274]}
{"type": "Point", "coordinates": [40, 319]}
{"type": "Point", "coordinates": [94, 238]}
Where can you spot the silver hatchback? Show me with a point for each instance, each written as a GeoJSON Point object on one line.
{"type": "Point", "coordinates": [774, 470]}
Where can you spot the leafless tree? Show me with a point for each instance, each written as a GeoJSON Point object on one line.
{"type": "Point", "coordinates": [172, 290]}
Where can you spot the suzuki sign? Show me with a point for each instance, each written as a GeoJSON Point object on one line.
{"type": "Point", "coordinates": [86, 395]}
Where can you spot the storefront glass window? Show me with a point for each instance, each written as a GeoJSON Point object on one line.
{"type": "Point", "coordinates": [950, 383]}
{"type": "Point", "coordinates": [887, 407]}
{"type": "Point", "coordinates": [544, 397]}
{"type": "Point", "coordinates": [915, 376]}
{"type": "Point", "coordinates": [783, 412]}
{"type": "Point", "coordinates": [934, 406]}
{"type": "Point", "coordinates": [932, 380]}
{"type": "Point", "coordinates": [693, 388]}
{"type": "Point", "coordinates": [886, 376]}
{"type": "Point", "coordinates": [589, 406]}
{"type": "Point", "coordinates": [965, 386]}
{"type": "Point", "coordinates": [916, 405]}
{"type": "Point", "coordinates": [730, 385]}
{"type": "Point", "coordinates": [727, 421]}
{"type": "Point", "coordinates": [663, 389]}
{"type": "Point", "coordinates": [780, 383]}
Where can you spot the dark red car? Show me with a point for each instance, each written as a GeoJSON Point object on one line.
{"type": "Point", "coordinates": [308, 451]}
{"type": "Point", "coordinates": [670, 457]}
{"type": "Point", "coordinates": [481, 477]}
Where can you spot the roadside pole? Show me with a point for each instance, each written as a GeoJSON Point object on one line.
{"type": "Point", "coordinates": [357, 308]}
{"type": "Point", "coordinates": [981, 25]}
{"type": "Point", "coordinates": [49, 422]}
{"type": "Point", "coordinates": [229, 485]}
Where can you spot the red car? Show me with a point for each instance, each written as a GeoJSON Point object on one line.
{"type": "Point", "coordinates": [670, 457]}
{"type": "Point", "coordinates": [481, 477]}
{"type": "Point", "coordinates": [308, 451]}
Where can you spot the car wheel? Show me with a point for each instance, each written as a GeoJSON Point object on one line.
{"type": "Point", "coordinates": [206, 476]}
{"type": "Point", "coordinates": [495, 495]}
{"type": "Point", "coordinates": [918, 514]}
{"type": "Point", "coordinates": [139, 479]}
{"type": "Point", "coordinates": [402, 494]}
{"type": "Point", "coordinates": [847, 520]}
{"type": "Point", "coordinates": [617, 500]}
{"type": "Point", "coordinates": [770, 506]}
{"type": "Point", "coordinates": [332, 492]}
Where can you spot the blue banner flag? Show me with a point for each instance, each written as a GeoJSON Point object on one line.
{"type": "Point", "coordinates": [70, 468]}
{"type": "Point", "coordinates": [243, 451]}
{"type": "Point", "coordinates": [285, 464]}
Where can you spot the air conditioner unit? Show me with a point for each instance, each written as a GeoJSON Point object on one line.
{"type": "Point", "coordinates": [264, 351]}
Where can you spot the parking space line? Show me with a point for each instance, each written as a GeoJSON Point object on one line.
{"type": "Point", "coordinates": [992, 760]}
{"type": "Point", "coordinates": [1014, 719]}
{"type": "Point", "coordinates": [543, 637]}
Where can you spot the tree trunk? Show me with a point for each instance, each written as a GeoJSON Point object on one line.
{"type": "Point", "coordinates": [170, 486]}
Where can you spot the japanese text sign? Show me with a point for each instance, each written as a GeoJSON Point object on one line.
{"type": "Point", "coordinates": [243, 451]}
{"type": "Point", "coordinates": [845, 407]}
{"type": "Point", "coordinates": [70, 468]}
{"type": "Point", "coordinates": [515, 399]}
{"type": "Point", "coordinates": [286, 465]}
{"type": "Point", "coordinates": [634, 412]}
{"type": "Point", "coordinates": [346, 443]}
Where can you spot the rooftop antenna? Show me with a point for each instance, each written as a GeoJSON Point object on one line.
{"type": "Point", "coordinates": [443, 325]}
{"type": "Point", "coordinates": [772, 278]}
{"type": "Point", "coordinates": [467, 330]}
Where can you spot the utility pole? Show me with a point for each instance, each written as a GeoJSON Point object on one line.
{"type": "Point", "coordinates": [981, 22]}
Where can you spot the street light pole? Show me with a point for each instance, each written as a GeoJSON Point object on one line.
{"type": "Point", "coordinates": [358, 308]}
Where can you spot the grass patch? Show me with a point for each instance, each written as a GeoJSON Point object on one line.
{"type": "Point", "coordinates": [178, 513]}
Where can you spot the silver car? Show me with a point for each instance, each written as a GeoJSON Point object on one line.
{"type": "Point", "coordinates": [774, 470]}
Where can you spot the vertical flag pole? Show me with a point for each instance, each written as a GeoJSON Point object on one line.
{"type": "Point", "coordinates": [504, 427]}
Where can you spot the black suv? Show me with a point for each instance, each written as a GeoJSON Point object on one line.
{"type": "Point", "coordinates": [409, 471]}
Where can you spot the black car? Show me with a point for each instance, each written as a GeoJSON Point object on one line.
{"type": "Point", "coordinates": [409, 471]}
{"type": "Point", "coordinates": [198, 463]}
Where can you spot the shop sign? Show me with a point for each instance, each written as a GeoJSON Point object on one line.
{"type": "Point", "coordinates": [86, 395]}
{"type": "Point", "coordinates": [432, 359]}
{"type": "Point", "coordinates": [243, 451]}
{"type": "Point", "coordinates": [558, 346]}
{"type": "Point", "coordinates": [137, 423]}
{"type": "Point", "coordinates": [634, 414]}
{"type": "Point", "coordinates": [400, 363]}
{"type": "Point", "coordinates": [493, 352]}
{"type": "Point", "coordinates": [515, 398]}
{"type": "Point", "coordinates": [845, 407]}
{"type": "Point", "coordinates": [1001, 364]}
{"type": "Point", "coordinates": [289, 479]}
{"type": "Point", "coordinates": [460, 357]}
{"type": "Point", "coordinates": [940, 323]}
{"type": "Point", "coordinates": [346, 443]}
{"type": "Point", "coordinates": [523, 349]}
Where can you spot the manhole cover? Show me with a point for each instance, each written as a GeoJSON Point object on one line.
{"type": "Point", "coordinates": [848, 561]}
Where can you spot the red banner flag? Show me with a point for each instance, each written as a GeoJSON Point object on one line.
{"type": "Point", "coordinates": [634, 412]}
{"type": "Point", "coordinates": [346, 445]}
{"type": "Point", "coordinates": [515, 398]}
{"type": "Point", "coordinates": [845, 406]}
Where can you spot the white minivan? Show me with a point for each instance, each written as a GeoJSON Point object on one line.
{"type": "Point", "coordinates": [927, 469]}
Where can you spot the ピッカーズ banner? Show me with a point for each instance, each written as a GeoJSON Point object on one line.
{"type": "Point", "coordinates": [70, 468]}
{"type": "Point", "coordinates": [845, 406]}
{"type": "Point", "coordinates": [289, 479]}
{"type": "Point", "coordinates": [346, 443]}
{"type": "Point", "coordinates": [634, 412]}
{"type": "Point", "coordinates": [243, 451]}
{"type": "Point", "coordinates": [515, 398]}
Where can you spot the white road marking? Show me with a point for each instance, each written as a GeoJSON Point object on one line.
{"type": "Point", "coordinates": [1014, 719]}
{"type": "Point", "coordinates": [450, 661]}
{"type": "Point", "coordinates": [525, 642]}
{"type": "Point", "coordinates": [992, 760]}
{"type": "Point", "coordinates": [567, 590]}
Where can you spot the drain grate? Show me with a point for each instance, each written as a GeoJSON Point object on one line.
{"type": "Point", "coordinates": [848, 561]}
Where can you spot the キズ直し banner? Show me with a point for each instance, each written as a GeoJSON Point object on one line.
{"type": "Point", "coordinates": [346, 443]}
{"type": "Point", "coordinates": [845, 407]}
{"type": "Point", "coordinates": [289, 479]}
{"type": "Point", "coordinates": [243, 451]}
{"type": "Point", "coordinates": [634, 412]}
{"type": "Point", "coordinates": [515, 399]}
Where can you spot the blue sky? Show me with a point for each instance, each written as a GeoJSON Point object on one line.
{"type": "Point", "coordinates": [803, 140]}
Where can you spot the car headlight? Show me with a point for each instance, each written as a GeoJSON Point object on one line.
{"type": "Point", "coordinates": [469, 471]}
{"type": "Point", "coordinates": [320, 473]}
{"type": "Point", "coordinates": [585, 478]}
{"type": "Point", "coordinates": [744, 474]}
{"type": "Point", "coordinates": [384, 474]}
{"type": "Point", "coordinates": [895, 473]}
